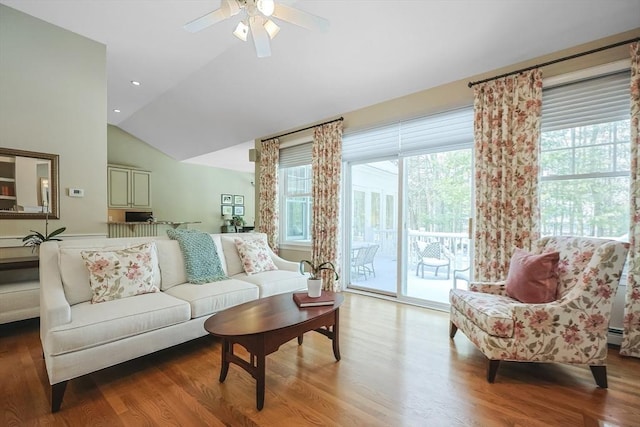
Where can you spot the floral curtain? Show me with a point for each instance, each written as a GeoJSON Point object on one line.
{"type": "Point", "coordinates": [506, 132]}
{"type": "Point", "coordinates": [326, 170]}
{"type": "Point", "coordinates": [268, 211]}
{"type": "Point", "coordinates": [631, 334]}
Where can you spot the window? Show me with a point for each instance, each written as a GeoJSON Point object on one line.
{"type": "Point", "coordinates": [585, 158]}
{"type": "Point", "coordinates": [295, 194]}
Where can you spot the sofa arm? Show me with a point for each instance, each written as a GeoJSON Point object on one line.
{"type": "Point", "coordinates": [54, 307]}
{"type": "Point", "coordinates": [283, 264]}
{"type": "Point", "coordinates": [494, 288]}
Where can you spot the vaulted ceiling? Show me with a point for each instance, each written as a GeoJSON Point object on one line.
{"type": "Point", "coordinates": [205, 92]}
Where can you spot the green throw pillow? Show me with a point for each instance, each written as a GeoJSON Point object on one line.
{"type": "Point", "coordinates": [200, 256]}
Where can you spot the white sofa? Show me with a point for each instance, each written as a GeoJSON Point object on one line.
{"type": "Point", "coordinates": [79, 337]}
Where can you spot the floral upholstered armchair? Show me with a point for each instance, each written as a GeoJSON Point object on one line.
{"type": "Point", "coordinates": [572, 329]}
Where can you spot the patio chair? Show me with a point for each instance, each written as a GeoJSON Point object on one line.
{"type": "Point", "coordinates": [369, 257]}
{"type": "Point", "coordinates": [460, 274]}
{"type": "Point", "coordinates": [573, 328]}
{"type": "Point", "coordinates": [432, 255]}
{"type": "Point", "coordinates": [358, 261]}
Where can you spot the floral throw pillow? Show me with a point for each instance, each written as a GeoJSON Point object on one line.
{"type": "Point", "coordinates": [254, 255]}
{"type": "Point", "coordinates": [121, 273]}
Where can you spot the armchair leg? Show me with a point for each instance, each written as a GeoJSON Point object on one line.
{"type": "Point", "coordinates": [57, 392]}
{"type": "Point", "coordinates": [600, 375]}
{"type": "Point", "coordinates": [492, 369]}
{"type": "Point", "coordinates": [452, 330]}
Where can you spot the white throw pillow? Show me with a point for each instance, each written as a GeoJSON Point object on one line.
{"type": "Point", "coordinates": [254, 254]}
{"type": "Point", "coordinates": [121, 273]}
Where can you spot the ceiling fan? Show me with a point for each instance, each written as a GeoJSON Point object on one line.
{"type": "Point", "coordinates": [257, 19]}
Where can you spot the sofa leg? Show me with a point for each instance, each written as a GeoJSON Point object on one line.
{"type": "Point", "coordinates": [600, 375]}
{"type": "Point", "coordinates": [492, 369]}
{"type": "Point", "coordinates": [452, 330]}
{"type": "Point", "coordinates": [57, 392]}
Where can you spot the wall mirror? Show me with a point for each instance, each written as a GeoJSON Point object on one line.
{"type": "Point", "coordinates": [28, 184]}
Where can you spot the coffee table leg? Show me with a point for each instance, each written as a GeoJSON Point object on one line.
{"type": "Point", "coordinates": [260, 379]}
{"type": "Point", "coordinates": [336, 335]}
{"type": "Point", "coordinates": [300, 337]}
{"type": "Point", "coordinates": [226, 349]}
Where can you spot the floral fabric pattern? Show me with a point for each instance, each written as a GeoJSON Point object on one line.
{"type": "Point", "coordinates": [268, 212]}
{"type": "Point", "coordinates": [121, 273]}
{"type": "Point", "coordinates": [506, 132]}
{"type": "Point", "coordinates": [630, 345]}
{"type": "Point", "coordinates": [326, 170]}
{"type": "Point", "coordinates": [572, 329]}
{"type": "Point", "coordinates": [254, 255]}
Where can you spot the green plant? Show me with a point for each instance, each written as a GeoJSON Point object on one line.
{"type": "Point", "coordinates": [238, 221]}
{"type": "Point", "coordinates": [36, 238]}
{"type": "Point", "coordinates": [316, 269]}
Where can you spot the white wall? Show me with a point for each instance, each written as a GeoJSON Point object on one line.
{"type": "Point", "coordinates": [53, 98]}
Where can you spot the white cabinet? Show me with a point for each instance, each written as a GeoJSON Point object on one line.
{"type": "Point", "coordinates": [128, 188]}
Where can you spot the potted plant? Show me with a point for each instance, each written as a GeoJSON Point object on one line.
{"type": "Point", "coordinates": [314, 282]}
{"type": "Point", "coordinates": [36, 238]}
{"type": "Point", "coordinates": [238, 222]}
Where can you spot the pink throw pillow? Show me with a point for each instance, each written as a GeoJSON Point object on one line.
{"type": "Point", "coordinates": [533, 278]}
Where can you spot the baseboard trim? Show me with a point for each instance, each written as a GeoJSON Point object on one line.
{"type": "Point", "coordinates": [614, 336]}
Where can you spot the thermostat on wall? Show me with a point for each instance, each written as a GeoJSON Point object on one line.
{"type": "Point", "coordinates": [76, 192]}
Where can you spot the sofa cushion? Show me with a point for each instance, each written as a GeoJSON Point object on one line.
{"type": "Point", "coordinates": [209, 298]}
{"type": "Point", "coordinates": [491, 313]}
{"type": "Point", "coordinates": [74, 273]}
{"type": "Point", "coordinates": [234, 263]}
{"type": "Point", "coordinates": [200, 256]}
{"type": "Point", "coordinates": [121, 273]}
{"type": "Point", "coordinates": [97, 324]}
{"type": "Point", "coordinates": [533, 278]}
{"type": "Point", "coordinates": [172, 267]}
{"type": "Point", "coordinates": [254, 255]}
{"type": "Point", "coordinates": [275, 282]}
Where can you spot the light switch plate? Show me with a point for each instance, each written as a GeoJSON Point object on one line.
{"type": "Point", "coordinates": [76, 192]}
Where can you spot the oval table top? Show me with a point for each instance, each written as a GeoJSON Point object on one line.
{"type": "Point", "coordinates": [265, 314]}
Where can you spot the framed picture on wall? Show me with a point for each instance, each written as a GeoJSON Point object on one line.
{"type": "Point", "coordinates": [238, 210]}
{"type": "Point", "coordinates": [227, 210]}
{"type": "Point", "coordinates": [226, 199]}
{"type": "Point", "coordinates": [238, 200]}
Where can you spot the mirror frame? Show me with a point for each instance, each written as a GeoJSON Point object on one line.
{"type": "Point", "coordinates": [54, 205]}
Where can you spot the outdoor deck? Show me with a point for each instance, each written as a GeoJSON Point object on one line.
{"type": "Point", "coordinates": [430, 288]}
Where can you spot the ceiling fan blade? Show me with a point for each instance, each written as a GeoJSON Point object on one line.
{"type": "Point", "coordinates": [228, 8]}
{"type": "Point", "coordinates": [300, 18]}
{"type": "Point", "coordinates": [260, 36]}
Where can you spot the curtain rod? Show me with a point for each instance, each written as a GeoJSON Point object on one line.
{"type": "Point", "coordinates": [339, 119]}
{"type": "Point", "coordinates": [555, 61]}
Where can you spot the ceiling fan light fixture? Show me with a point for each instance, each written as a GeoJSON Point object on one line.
{"type": "Point", "coordinates": [241, 31]}
{"type": "Point", "coordinates": [272, 28]}
{"type": "Point", "coordinates": [266, 7]}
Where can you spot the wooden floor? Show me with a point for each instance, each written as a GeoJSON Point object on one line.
{"type": "Point", "coordinates": [398, 368]}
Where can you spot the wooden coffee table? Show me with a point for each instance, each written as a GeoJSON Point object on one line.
{"type": "Point", "coordinates": [263, 325]}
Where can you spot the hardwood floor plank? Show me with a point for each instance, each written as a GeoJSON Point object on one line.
{"type": "Point", "coordinates": [398, 368]}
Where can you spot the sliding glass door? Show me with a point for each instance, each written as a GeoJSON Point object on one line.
{"type": "Point", "coordinates": [374, 226]}
{"type": "Point", "coordinates": [437, 198]}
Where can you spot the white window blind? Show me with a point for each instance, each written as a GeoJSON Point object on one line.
{"type": "Point", "coordinates": [452, 128]}
{"type": "Point", "coordinates": [298, 155]}
{"type": "Point", "coordinates": [589, 102]}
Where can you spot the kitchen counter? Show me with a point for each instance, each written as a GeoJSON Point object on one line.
{"type": "Point", "coordinates": [141, 228]}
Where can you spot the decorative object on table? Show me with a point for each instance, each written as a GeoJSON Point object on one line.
{"type": "Point", "coordinates": [238, 210]}
{"type": "Point", "coordinates": [227, 210]}
{"type": "Point", "coordinates": [227, 219]}
{"type": "Point", "coordinates": [314, 282]}
{"type": "Point", "coordinates": [226, 199]}
{"type": "Point", "coordinates": [237, 221]}
{"type": "Point", "coordinates": [238, 199]}
{"type": "Point", "coordinates": [302, 299]}
{"type": "Point", "coordinates": [35, 238]}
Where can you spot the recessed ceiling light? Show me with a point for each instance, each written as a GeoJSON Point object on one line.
{"type": "Point", "coordinates": [135, 83]}
{"type": "Point", "coordinates": [116, 111]}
